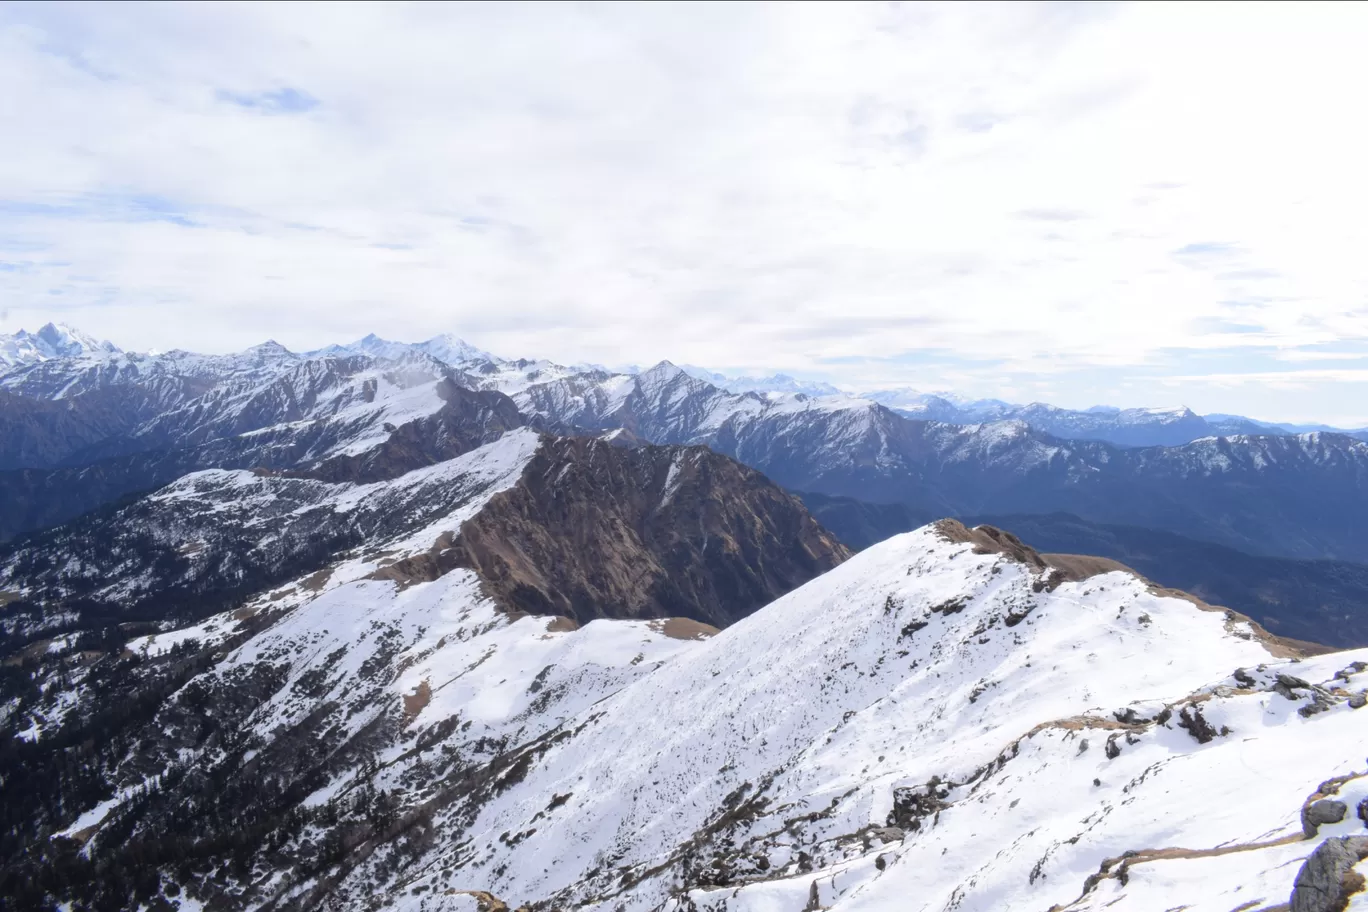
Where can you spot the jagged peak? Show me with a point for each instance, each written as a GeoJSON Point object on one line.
{"type": "Point", "coordinates": [269, 347]}
{"type": "Point", "coordinates": [52, 340]}
{"type": "Point", "coordinates": [664, 369]}
{"type": "Point", "coordinates": [454, 350]}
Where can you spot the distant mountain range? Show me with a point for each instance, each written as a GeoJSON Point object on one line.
{"type": "Point", "coordinates": [82, 430]}
{"type": "Point", "coordinates": [1132, 427]}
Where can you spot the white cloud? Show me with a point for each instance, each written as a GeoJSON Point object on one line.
{"type": "Point", "coordinates": [793, 187]}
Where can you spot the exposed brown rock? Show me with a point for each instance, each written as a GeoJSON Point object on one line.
{"type": "Point", "coordinates": [415, 702]}
{"type": "Point", "coordinates": [596, 530]}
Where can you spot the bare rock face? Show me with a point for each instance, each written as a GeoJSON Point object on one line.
{"type": "Point", "coordinates": [596, 530]}
{"type": "Point", "coordinates": [1327, 879]}
{"type": "Point", "coordinates": [1326, 810]}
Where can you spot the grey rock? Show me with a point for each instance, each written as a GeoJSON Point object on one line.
{"type": "Point", "coordinates": [1358, 700]}
{"type": "Point", "coordinates": [1287, 685]}
{"type": "Point", "coordinates": [1327, 879]}
{"type": "Point", "coordinates": [1326, 810]}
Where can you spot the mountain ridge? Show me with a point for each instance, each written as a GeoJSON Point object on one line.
{"type": "Point", "coordinates": [390, 743]}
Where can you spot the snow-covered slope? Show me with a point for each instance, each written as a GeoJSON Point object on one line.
{"type": "Point", "coordinates": [947, 721]}
{"type": "Point", "coordinates": [219, 532]}
{"type": "Point", "coordinates": [930, 728]}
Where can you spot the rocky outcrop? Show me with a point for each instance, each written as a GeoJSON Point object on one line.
{"type": "Point", "coordinates": [1327, 880]}
{"type": "Point", "coordinates": [597, 530]}
{"type": "Point", "coordinates": [1323, 811]}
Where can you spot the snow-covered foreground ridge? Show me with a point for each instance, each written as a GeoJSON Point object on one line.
{"type": "Point", "coordinates": [946, 721]}
{"type": "Point", "coordinates": [926, 727]}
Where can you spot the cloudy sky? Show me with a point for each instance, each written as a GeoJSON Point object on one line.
{"type": "Point", "coordinates": [1138, 205]}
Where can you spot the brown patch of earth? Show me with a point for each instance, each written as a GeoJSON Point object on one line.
{"type": "Point", "coordinates": [683, 629]}
{"type": "Point", "coordinates": [415, 702]}
{"type": "Point", "coordinates": [419, 568]}
{"type": "Point", "coordinates": [318, 580]}
{"type": "Point", "coordinates": [484, 901]}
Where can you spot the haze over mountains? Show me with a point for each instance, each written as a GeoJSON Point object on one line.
{"type": "Point", "coordinates": [391, 626]}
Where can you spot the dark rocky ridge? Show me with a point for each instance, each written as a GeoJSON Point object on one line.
{"type": "Point", "coordinates": [595, 530]}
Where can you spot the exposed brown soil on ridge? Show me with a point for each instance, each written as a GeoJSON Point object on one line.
{"type": "Point", "coordinates": [417, 701]}
{"type": "Point", "coordinates": [683, 629]}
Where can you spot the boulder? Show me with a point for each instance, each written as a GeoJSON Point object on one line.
{"type": "Point", "coordinates": [1326, 810]}
{"type": "Point", "coordinates": [1327, 879]}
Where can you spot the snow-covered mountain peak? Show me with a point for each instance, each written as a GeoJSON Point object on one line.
{"type": "Point", "coordinates": [269, 349]}
{"type": "Point", "coordinates": [663, 371]}
{"type": "Point", "coordinates": [53, 340]}
{"type": "Point", "coordinates": [452, 350]}
{"type": "Point", "coordinates": [66, 341]}
{"type": "Point", "coordinates": [774, 383]}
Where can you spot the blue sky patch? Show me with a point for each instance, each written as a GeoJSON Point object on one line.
{"type": "Point", "coordinates": [276, 101]}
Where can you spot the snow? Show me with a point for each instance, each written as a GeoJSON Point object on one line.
{"type": "Point", "coordinates": [445, 348]}
{"type": "Point", "coordinates": [217, 628]}
{"type": "Point", "coordinates": [671, 481]}
{"type": "Point", "coordinates": [821, 704]}
{"type": "Point", "coordinates": [96, 815]}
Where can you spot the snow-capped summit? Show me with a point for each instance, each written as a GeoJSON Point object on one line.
{"type": "Point", "coordinates": [454, 351]}
{"type": "Point", "coordinates": [775, 383]}
{"type": "Point", "coordinates": [447, 348]}
{"type": "Point", "coordinates": [53, 340]}
{"type": "Point", "coordinates": [269, 349]}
